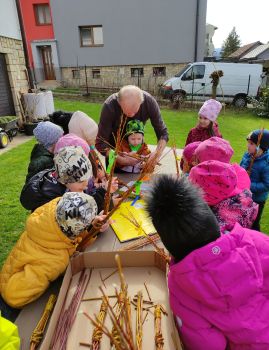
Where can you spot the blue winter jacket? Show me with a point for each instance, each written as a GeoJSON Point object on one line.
{"type": "Point", "coordinates": [259, 176]}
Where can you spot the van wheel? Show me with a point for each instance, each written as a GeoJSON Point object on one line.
{"type": "Point", "coordinates": [177, 100]}
{"type": "Point", "coordinates": [3, 140]}
{"type": "Point", "coordinates": [240, 101]}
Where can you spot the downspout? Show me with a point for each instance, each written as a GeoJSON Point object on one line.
{"type": "Point", "coordinates": [27, 61]}
{"type": "Point", "coordinates": [196, 29]}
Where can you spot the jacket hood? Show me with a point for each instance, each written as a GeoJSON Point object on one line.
{"type": "Point", "coordinates": [42, 228]}
{"type": "Point", "coordinates": [221, 275]}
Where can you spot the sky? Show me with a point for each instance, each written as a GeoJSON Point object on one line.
{"type": "Point", "coordinates": [250, 19]}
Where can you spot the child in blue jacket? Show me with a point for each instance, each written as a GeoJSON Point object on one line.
{"type": "Point", "coordinates": [256, 162]}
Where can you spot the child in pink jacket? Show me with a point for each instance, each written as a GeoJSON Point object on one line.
{"type": "Point", "coordinates": [207, 125]}
{"type": "Point", "coordinates": [188, 158]}
{"type": "Point", "coordinates": [226, 191]}
{"type": "Point", "coordinates": [218, 284]}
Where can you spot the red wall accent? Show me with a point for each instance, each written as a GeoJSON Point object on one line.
{"type": "Point", "coordinates": [33, 31]}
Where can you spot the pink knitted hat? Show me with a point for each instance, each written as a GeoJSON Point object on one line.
{"type": "Point", "coordinates": [72, 140]}
{"type": "Point", "coordinates": [189, 150]}
{"type": "Point", "coordinates": [214, 148]}
{"type": "Point", "coordinates": [218, 180]}
{"type": "Point", "coordinates": [210, 109]}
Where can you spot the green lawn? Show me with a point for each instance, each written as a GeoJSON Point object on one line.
{"type": "Point", "coordinates": [13, 164]}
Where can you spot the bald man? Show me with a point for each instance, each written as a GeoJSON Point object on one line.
{"type": "Point", "coordinates": [133, 103]}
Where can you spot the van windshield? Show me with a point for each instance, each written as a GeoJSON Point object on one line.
{"type": "Point", "coordinates": [183, 70]}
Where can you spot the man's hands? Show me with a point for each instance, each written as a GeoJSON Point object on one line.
{"type": "Point", "coordinates": [153, 159]}
{"type": "Point", "coordinates": [124, 159]}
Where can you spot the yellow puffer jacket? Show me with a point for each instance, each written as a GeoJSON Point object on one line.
{"type": "Point", "coordinates": [39, 257]}
{"type": "Point", "coordinates": [9, 337]}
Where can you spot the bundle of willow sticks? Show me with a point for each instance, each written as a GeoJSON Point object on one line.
{"type": "Point", "coordinates": [121, 334]}
{"type": "Point", "coordinates": [68, 314]}
{"type": "Point", "coordinates": [141, 242]}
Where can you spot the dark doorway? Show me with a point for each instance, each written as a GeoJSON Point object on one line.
{"type": "Point", "coordinates": [6, 100]}
{"type": "Point", "coordinates": [47, 63]}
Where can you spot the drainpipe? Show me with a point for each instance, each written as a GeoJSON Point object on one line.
{"type": "Point", "coordinates": [27, 61]}
{"type": "Point", "coordinates": [196, 29]}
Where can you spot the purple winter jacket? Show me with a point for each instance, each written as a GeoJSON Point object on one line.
{"type": "Point", "coordinates": [220, 292]}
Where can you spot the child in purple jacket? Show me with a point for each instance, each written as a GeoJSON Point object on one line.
{"type": "Point", "coordinates": [218, 284]}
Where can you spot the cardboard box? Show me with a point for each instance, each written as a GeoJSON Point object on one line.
{"type": "Point", "coordinates": [138, 267]}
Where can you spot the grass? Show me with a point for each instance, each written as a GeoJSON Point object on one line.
{"type": "Point", "coordinates": [13, 164]}
{"type": "Point", "coordinates": [13, 167]}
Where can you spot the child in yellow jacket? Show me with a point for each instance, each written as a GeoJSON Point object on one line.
{"type": "Point", "coordinates": [42, 252]}
{"type": "Point", "coordinates": [9, 337]}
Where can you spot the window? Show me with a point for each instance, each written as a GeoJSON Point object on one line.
{"type": "Point", "coordinates": [137, 72]}
{"type": "Point", "coordinates": [91, 36]}
{"type": "Point", "coordinates": [76, 73]}
{"type": "Point", "coordinates": [42, 14]}
{"type": "Point", "coordinates": [196, 72]}
{"type": "Point", "coordinates": [96, 73]}
{"type": "Point", "coordinates": [159, 71]}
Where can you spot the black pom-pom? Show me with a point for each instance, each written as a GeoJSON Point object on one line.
{"type": "Point", "coordinates": [180, 215]}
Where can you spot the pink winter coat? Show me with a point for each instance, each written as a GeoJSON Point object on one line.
{"type": "Point", "coordinates": [220, 292]}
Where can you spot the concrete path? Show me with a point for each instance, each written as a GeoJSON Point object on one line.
{"type": "Point", "coordinates": [17, 140]}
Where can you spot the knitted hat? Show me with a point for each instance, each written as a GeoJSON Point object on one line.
{"type": "Point", "coordinates": [134, 126]}
{"type": "Point", "coordinates": [71, 140]}
{"type": "Point", "coordinates": [72, 165]}
{"type": "Point", "coordinates": [264, 142]}
{"type": "Point", "coordinates": [218, 180]}
{"type": "Point", "coordinates": [210, 109]}
{"type": "Point", "coordinates": [75, 212]}
{"type": "Point", "coordinates": [214, 148]}
{"type": "Point", "coordinates": [181, 217]}
{"type": "Point", "coordinates": [83, 126]}
{"type": "Point", "coordinates": [48, 133]}
{"type": "Point", "coordinates": [189, 150]}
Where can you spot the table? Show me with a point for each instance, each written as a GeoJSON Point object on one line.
{"type": "Point", "coordinates": [30, 315]}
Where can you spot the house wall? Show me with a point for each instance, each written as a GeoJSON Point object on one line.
{"type": "Point", "coordinates": [38, 63]}
{"type": "Point", "coordinates": [118, 76]}
{"type": "Point", "coordinates": [135, 32]}
{"type": "Point", "coordinates": [11, 46]}
{"type": "Point", "coordinates": [264, 55]}
{"type": "Point", "coordinates": [16, 68]}
{"type": "Point", "coordinates": [32, 30]}
{"type": "Point", "coordinates": [9, 22]}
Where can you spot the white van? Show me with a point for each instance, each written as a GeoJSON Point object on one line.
{"type": "Point", "coordinates": [239, 81]}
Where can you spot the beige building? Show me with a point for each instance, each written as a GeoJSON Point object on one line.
{"type": "Point", "coordinates": [13, 74]}
{"type": "Point", "coordinates": [209, 46]}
